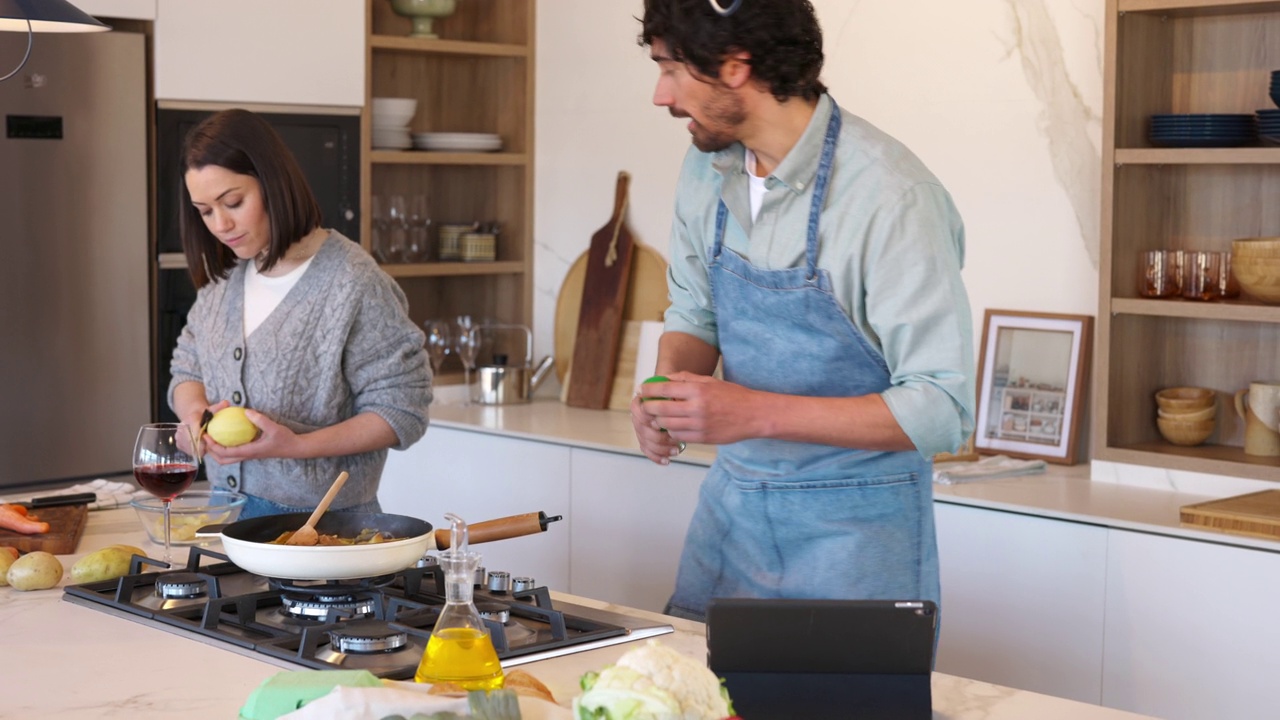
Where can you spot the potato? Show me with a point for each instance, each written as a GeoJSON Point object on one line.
{"type": "Point", "coordinates": [132, 549]}
{"type": "Point", "coordinates": [35, 571]}
{"type": "Point", "coordinates": [7, 558]}
{"type": "Point", "coordinates": [105, 564]}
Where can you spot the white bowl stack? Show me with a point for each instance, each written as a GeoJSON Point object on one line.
{"type": "Point", "coordinates": [391, 117]}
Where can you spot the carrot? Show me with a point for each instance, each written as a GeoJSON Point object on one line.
{"type": "Point", "coordinates": [13, 520]}
{"type": "Point", "coordinates": [20, 509]}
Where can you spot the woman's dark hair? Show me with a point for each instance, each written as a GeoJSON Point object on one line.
{"type": "Point", "coordinates": [244, 143]}
{"type": "Point", "coordinates": [782, 37]}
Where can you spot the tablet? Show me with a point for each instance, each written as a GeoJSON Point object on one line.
{"type": "Point", "coordinates": [794, 658]}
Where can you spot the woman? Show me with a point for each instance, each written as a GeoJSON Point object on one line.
{"type": "Point", "coordinates": [293, 322]}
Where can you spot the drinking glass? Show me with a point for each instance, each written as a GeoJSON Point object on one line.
{"type": "Point", "coordinates": [398, 223]}
{"type": "Point", "coordinates": [1200, 275]}
{"type": "Point", "coordinates": [381, 231]}
{"type": "Point", "coordinates": [418, 227]}
{"type": "Point", "coordinates": [465, 343]}
{"type": "Point", "coordinates": [1158, 274]}
{"type": "Point", "coordinates": [165, 464]}
{"type": "Point", "coordinates": [439, 342]}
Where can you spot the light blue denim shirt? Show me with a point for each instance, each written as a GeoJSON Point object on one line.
{"type": "Point", "coordinates": [891, 239]}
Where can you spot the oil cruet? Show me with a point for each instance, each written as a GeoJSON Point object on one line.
{"type": "Point", "coordinates": [460, 650]}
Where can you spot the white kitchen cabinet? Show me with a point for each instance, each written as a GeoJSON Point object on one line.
{"type": "Point", "coordinates": [129, 9]}
{"type": "Point", "coordinates": [481, 477]}
{"type": "Point", "coordinates": [629, 521]}
{"type": "Point", "coordinates": [293, 52]}
{"type": "Point", "coordinates": [1192, 628]}
{"type": "Point", "coordinates": [1022, 600]}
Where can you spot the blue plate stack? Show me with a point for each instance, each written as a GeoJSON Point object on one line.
{"type": "Point", "coordinates": [1203, 130]}
{"type": "Point", "coordinates": [1269, 126]}
{"type": "Point", "coordinates": [1275, 86]}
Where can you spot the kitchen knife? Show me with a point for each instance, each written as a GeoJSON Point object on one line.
{"type": "Point", "coordinates": [59, 500]}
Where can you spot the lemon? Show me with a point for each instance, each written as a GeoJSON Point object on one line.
{"type": "Point", "coordinates": [229, 427]}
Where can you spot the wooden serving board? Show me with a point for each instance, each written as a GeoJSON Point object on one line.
{"type": "Point", "coordinates": [646, 300]}
{"type": "Point", "coordinates": [66, 525]}
{"type": "Point", "coordinates": [1255, 514]}
{"type": "Point", "coordinates": [604, 294]}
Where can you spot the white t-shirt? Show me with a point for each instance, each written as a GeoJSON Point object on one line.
{"type": "Point", "coordinates": [755, 184]}
{"type": "Point", "coordinates": [263, 294]}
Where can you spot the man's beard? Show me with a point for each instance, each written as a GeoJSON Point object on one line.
{"type": "Point", "coordinates": [724, 113]}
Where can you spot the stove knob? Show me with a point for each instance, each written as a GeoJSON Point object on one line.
{"type": "Point", "coordinates": [499, 581]}
{"type": "Point", "coordinates": [479, 577]}
{"type": "Point", "coordinates": [522, 584]}
{"type": "Point", "coordinates": [427, 561]}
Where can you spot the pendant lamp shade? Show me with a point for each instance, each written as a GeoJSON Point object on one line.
{"type": "Point", "coordinates": [46, 16]}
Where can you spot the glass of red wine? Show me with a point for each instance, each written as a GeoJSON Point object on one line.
{"type": "Point", "coordinates": [165, 464]}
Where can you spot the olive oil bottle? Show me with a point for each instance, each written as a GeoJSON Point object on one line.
{"type": "Point", "coordinates": [460, 650]}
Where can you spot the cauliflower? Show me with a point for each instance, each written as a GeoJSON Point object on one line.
{"type": "Point", "coordinates": [652, 682]}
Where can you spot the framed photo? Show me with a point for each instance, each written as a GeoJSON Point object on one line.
{"type": "Point", "coordinates": [1033, 369]}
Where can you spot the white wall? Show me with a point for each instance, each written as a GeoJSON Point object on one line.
{"type": "Point", "coordinates": [1002, 99]}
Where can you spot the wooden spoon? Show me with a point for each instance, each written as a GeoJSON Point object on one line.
{"type": "Point", "coordinates": [307, 535]}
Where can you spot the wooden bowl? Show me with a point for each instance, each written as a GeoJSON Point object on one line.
{"type": "Point", "coordinates": [1185, 399]}
{"type": "Point", "coordinates": [1189, 415]}
{"type": "Point", "coordinates": [1180, 432]}
{"type": "Point", "coordinates": [1255, 247]}
{"type": "Point", "coordinates": [1259, 277]}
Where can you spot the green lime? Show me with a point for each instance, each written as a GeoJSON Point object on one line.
{"type": "Point", "coordinates": [655, 379]}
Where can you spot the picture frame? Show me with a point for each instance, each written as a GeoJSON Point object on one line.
{"type": "Point", "coordinates": [1033, 372]}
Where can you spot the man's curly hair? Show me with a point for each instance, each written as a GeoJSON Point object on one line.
{"type": "Point", "coordinates": [782, 37]}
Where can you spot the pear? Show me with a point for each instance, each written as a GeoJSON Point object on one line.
{"type": "Point", "coordinates": [229, 427]}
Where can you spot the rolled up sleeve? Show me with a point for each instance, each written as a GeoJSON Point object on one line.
{"type": "Point", "coordinates": [918, 308]}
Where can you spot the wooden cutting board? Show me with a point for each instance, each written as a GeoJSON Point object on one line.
{"type": "Point", "coordinates": [604, 294]}
{"type": "Point", "coordinates": [646, 300]}
{"type": "Point", "coordinates": [66, 525]}
{"type": "Point", "coordinates": [1256, 515]}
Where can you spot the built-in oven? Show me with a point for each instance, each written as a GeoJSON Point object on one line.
{"type": "Point", "coordinates": [326, 143]}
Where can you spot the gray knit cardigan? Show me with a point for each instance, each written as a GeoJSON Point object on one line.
{"type": "Point", "coordinates": [339, 344]}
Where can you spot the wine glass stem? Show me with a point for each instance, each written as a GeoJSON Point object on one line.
{"type": "Point", "coordinates": [466, 380]}
{"type": "Point", "coordinates": [166, 531]}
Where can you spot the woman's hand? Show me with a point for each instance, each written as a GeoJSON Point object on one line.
{"type": "Point", "coordinates": [274, 441]}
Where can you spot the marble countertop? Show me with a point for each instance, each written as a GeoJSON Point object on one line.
{"type": "Point", "coordinates": [1125, 497]}
{"type": "Point", "coordinates": [62, 660]}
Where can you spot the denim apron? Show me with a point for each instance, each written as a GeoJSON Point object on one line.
{"type": "Point", "coordinates": [797, 520]}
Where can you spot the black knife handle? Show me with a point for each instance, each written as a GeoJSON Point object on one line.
{"type": "Point", "coordinates": [58, 500]}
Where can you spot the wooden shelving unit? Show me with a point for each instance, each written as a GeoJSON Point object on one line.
{"type": "Point", "coordinates": [1182, 56]}
{"type": "Point", "coordinates": [477, 77]}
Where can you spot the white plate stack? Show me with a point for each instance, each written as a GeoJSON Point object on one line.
{"type": "Point", "coordinates": [458, 142]}
{"type": "Point", "coordinates": [391, 117]}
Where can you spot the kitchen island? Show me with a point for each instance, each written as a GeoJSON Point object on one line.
{"type": "Point", "coordinates": [62, 660]}
{"type": "Point", "coordinates": [1079, 582]}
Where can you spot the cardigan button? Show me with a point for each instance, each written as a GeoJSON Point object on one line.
{"type": "Point", "coordinates": [232, 482]}
{"type": "Point", "coordinates": [237, 354]}
{"type": "Point", "coordinates": [235, 397]}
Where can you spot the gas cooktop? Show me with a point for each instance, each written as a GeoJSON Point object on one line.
{"type": "Point", "coordinates": [377, 624]}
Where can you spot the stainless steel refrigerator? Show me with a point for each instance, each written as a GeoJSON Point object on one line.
{"type": "Point", "coordinates": [74, 327]}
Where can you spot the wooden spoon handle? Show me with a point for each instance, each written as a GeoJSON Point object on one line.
{"type": "Point", "coordinates": [327, 500]}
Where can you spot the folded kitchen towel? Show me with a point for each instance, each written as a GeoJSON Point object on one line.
{"type": "Point", "coordinates": [988, 468]}
{"type": "Point", "coordinates": [111, 493]}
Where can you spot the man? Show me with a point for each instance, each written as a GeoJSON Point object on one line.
{"type": "Point", "coordinates": [820, 260]}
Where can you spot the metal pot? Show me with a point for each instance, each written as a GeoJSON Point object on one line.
{"type": "Point", "coordinates": [248, 543]}
{"type": "Point", "coordinates": [504, 384]}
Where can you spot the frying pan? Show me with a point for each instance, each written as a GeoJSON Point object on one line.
{"type": "Point", "coordinates": [248, 543]}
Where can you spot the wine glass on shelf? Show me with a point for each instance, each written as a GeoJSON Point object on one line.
{"type": "Point", "coordinates": [439, 343]}
{"type": "Point", "coordinates": [466, 345]}
{"type": "Point", "coordinates": [165, 464]}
